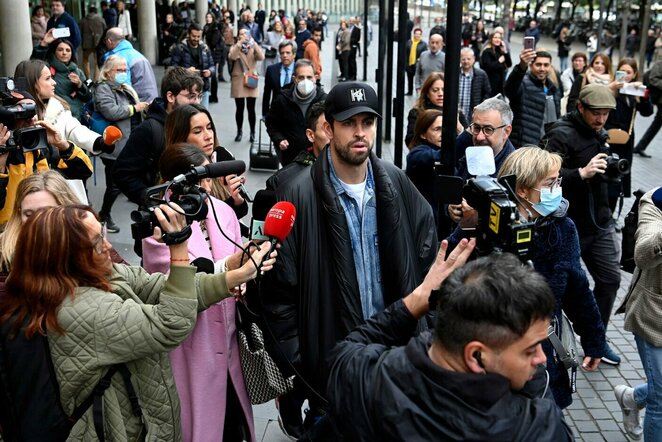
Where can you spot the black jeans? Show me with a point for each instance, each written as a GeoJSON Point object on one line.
{"type": "Point", "coordinates": [249, 103]}
{"type": "Point", "coordinates": [112, 191]}
{"type": "Point", "coordinates": [601, 254]}
{"type": "Point", "coordinates": [411, 73]}
{"type": "Point", "coordinates": [652, 130]}
{"type": "Point", "coordinates": [351, 64]}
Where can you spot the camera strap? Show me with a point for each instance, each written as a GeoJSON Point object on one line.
{"type": "Point", "coordinates": [172, 238]}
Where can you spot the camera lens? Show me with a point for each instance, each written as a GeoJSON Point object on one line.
{"type": "Point", "coordinates": [623, 166]}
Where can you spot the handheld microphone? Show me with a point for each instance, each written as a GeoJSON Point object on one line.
{"type": "Point", "coordinates": [264, 200]}
{"type": "Point", "coordinates": [279, 221]}
{"type": "Point", "coordinates": [211, 170]}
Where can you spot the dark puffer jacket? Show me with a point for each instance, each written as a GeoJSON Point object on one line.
{"type": "Point", "coordinates": [313, 292]}
{"type": "Point", "coordinates": [527, 100]}
{"type": "Point", "coordinates": [404, 396]}
{"type": "Point", "coordinates": [182, 55]}
{"type": "Point", "coordinates": [578, 143]}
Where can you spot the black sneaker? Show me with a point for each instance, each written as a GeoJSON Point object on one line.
{"type": "Point", "coordinates": [111, 227]}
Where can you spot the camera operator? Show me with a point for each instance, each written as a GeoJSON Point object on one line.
{"type": "Point", "coordinates": [580, 138]}
{"type": "Point", "coordinates": [467, 380]}
{"type": "Point", "coordinates": [44, 152]}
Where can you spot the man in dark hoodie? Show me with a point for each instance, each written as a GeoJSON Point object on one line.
{"type": "Point", "coordinates": [137, 166]}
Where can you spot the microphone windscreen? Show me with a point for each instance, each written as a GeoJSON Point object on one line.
{"type": "Point", "coordinates": [111, 135]}
{"type": "Point", "coordinates": [224, 168]}
{"type": "Point", "coordinates": [263, 202]}
{"type": "Point", "coordinates": [279, 220]}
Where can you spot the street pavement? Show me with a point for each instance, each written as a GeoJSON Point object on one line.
{"type": "Point", "coordinates": [594, 414]}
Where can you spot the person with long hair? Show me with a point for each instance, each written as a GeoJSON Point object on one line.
{"type": "Point", "coordinates": [563, 42]}
{"type": "Point", "coordinates": [118, 102]}
{"type": "Point", "coordinates": [270, 44]}
{"type": "Point", "coordinates": [495, 61]}
{"type": "Point", "coordinates": [424, 151]}
{"type": "Point", "coordinates": [599, 71]}
{"type": "Point", "coordinates": [38, 24]}
{"type": "Point", "coordinates": [97, 314]}
{"type": "Point", "coordinates": [343, 47]}
{"type": "Point", "coordinates": [206, 366]}
{"type": "Point", "coordinates": [193, 124]}
{"type": "Point", "coordinates": [69, 78]}
{"type": "Point", "coordinates": [54, 110]}
{"type": "Point", "coordinates": [431, 97]}
{"type": "Point", "coordinates": [623, 118]}
{"type": "Point", "coordinates": [245, 54]}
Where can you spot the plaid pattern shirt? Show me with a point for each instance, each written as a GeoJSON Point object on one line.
{"type": "Point", "coordinates": [465, 91]}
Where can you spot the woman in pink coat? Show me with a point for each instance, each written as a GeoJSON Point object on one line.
{"type": "Point", "coordinates": [206, 366]}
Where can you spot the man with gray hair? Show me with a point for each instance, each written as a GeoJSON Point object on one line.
{"type": "Point", "coordinates": [491, 125]}
{"type": "Point", "coordinates": [140, 73]}
{"type": "Point", "coordinates": [432, 60]}
{"type": "Point", "coordinates": [474, 83]}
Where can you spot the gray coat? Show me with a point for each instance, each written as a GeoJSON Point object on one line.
{"type": "Point", "coordinates": [428, 63]}
{"type": "Point", "coordinates": [644, 306]}
{"type": "Point", "coordinates": [114, 102]}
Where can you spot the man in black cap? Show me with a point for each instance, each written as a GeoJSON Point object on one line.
{"type": "Point", "coordinates": [580, 138]}
{"type": "Point", "coordinates": [363, 238]}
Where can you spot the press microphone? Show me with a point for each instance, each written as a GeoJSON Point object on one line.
{"type": "Point", "coordinates": [211, 170]}
{"type": "Point", "coordinates": [279, 222]}
{"type": "Point", "coordinates": [264, 200]}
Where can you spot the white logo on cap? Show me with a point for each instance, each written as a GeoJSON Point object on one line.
{"type": "Point", "coordinates": [358, 95]}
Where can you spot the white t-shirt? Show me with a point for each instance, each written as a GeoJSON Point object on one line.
{"type": "Point", "coordinates": [356, 191]}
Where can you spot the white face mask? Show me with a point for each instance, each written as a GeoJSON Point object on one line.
{"type": "Point", "coordinates": [305, 87]}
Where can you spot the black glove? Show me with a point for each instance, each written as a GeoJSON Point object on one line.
{"type": "Point", "coordinates": [99, 145]}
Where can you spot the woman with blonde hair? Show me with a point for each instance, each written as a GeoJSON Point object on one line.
{"type": "Point", "coordinates": [495, 61]}
{"type": "Point", "coordinates": [46, 189]}
{"type": "Point", "coordinates": [118, 102]}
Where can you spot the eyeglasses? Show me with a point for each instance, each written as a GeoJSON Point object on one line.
{"type": "Point", "coordinates": [487, 130]}
{"type": "Point", "coordinates": [190, 95]}
{"type": "Point", "coordinates": [98, 244]}
{"type": "Point", "coordinates": [551, 185]}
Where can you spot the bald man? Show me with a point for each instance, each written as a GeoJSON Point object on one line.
{"type": "Point", "coordinates": [432, 60]}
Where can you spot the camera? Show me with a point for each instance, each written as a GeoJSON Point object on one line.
{"type": "Point", "coordinates": [190, 197]}
{"type": "Point", "coordinates": [616, 166]}
{"type": "Point", "coordinates": [500, 227]}
{"type": "Point", "coordinates": [29, 139]}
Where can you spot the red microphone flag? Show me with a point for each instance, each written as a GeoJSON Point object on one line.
{"type": "Point", "coordinates": [279, 221]}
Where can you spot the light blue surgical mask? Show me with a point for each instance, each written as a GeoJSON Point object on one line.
{"type": "Point", "coordinates": [550, 199]}
{"type": "Point", "coordinates": [122, 78]}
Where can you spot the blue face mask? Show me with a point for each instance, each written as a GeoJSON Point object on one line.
{"type": "Point", "coordinates": [549, 201]}
{"type": "Point", "coordinates": [122, 78]}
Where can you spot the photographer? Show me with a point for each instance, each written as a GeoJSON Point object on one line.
{"type": "Point", "coordinates": [33, 150]}
{"type": "Point", "coordinates": [579, 137]}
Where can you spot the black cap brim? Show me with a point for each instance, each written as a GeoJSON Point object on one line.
{"type": "Point", "coordinates": [349, 113]}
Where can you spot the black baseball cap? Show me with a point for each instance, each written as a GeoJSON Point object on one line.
{"type": "Point", "coordinates": [350, 98]}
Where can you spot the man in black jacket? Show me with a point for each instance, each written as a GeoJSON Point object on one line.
{"type": "Point", "coordinates": [137, 166]}
{"type": "Point", "coordinates": [580, 139]}
{"type": "Point", "coordinates": [474, 83]}
{"type": "Point", "coordinates": [195, 56]}
{"type": "Point", "coordinates": [286, 120]}
{"type": "Point", "coordinates": [477, 377]}
{"type": "Point", "coordinates": [534, 98]}
{"type": "Point", "coordinates": [363, 237]}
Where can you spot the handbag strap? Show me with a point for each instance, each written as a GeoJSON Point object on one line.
{"type": "Point", "coordinates": [634, 114]}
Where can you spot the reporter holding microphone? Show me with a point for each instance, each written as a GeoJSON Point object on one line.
{"type": "Point", "coordinates": [99, 314]}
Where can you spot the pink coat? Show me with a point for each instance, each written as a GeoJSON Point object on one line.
{"type": "Point", "coordinates": [201, 364]}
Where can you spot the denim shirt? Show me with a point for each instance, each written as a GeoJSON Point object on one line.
{"type": "Point", "coordinates": [365, 245]}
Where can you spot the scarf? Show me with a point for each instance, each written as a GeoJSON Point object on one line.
{"type": "Point", "coordinates": [412, 52]}
{"type": "Point", "coordinates": [592, 77]}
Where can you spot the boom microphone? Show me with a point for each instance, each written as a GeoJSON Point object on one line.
{"type": "Point", "coordinates": [264, 200]}
{"type": "Point", "coordinates": [279, 221]}
{"type": "Point", "coordinates": [212, 170]}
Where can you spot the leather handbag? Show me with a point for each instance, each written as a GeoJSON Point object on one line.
{"type": "Point", "coordinates": [565, 346]}
{"type": "Point", "coordinates": [251, 80]}
{"type": "Point", "coordinates": [264, 381]}
{"type": "Point", "coordinates": [270, 53]}
{"type": "Point", "coordinates": [619, 136]}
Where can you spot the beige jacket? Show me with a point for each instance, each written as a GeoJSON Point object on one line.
{"type": "Point", "coordinates": [644, 307]}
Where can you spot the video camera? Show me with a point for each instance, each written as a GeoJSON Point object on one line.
{"type": "Point", "coordinates": [500, 227]}
{"type": "Point", "coordinates": [29, 139]}
{"type": "Point", "coordinates": [184, 191]}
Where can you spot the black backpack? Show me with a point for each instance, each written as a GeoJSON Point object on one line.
{"type": "Point", "coordinates": [654, 93]}
{"type": "Point", "coordinates": [629, 229]}
{"type": "Point", "coordinates": [30, 406]}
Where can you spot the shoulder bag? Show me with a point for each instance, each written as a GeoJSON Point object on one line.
{"type": "Point", "coordinates": [251, 80]}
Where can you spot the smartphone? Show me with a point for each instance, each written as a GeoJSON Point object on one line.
{"type": "Point", "coordinates": [620, 76]}
{"type": "Point", "coordinates": [61, 32]}
{"type": "Point", "coordinates": [529, 43]}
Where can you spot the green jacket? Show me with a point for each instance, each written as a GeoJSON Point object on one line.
{"type": "Point", "coordinates": [137, 323]}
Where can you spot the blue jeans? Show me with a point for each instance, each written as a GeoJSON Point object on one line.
{"type": "Point", "coordinates": [650, 394]}
{"type": "Point", "coordinates": [204, 101]}
{"type": "Point", "coordinates": [564, 63]}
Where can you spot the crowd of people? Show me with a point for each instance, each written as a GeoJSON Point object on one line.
{"type": "Point", "coordinates": [391, 319]}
